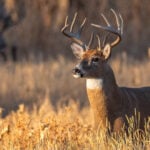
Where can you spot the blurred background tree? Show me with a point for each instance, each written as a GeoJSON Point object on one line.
{"type": "Point", "coordinates": [38, 35]}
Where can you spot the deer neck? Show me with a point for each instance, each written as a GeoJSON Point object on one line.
{"type": "Point", "coordinates": [99, 90]}
{"type": "Point", "coordinates": [97, 99]}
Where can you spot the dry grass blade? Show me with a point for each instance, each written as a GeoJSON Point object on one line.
{"type": "Point", "coordinates": [70, 127]}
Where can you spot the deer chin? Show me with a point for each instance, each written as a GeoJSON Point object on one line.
{"type": "Point", "coordinates": [78, 75]}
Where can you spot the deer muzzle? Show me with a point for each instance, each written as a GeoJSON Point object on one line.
{"type": "Point", "coordinates": [77, 72]}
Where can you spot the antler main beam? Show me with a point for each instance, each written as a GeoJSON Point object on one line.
{"type": "Point", "coordinates": [75, 37]}
{"type": "Point", "coordinates": [118, 32]}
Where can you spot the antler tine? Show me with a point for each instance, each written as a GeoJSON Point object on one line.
{"type": "Point", "coordinates": [111, 29]}
{"type": "Point", "coordinates": [117, 19]}
{"type": "Point", "coordinates": [81, 27]}
{"type": "Point", "coordinates": [66, 25]}
{"type": "Point", "coordinates": [75, 37]}
{"type": "Point", "coordinates": [78, 33]}
{"type": "Point", "coordinates": [121, 23]}
{"type": "Point", "coordinates": [99, 42]}
{"type": "Point", "coordinates": [73, 21]}
{"type": "Point", "coordinates": [100, 26]}
{"type": "Point", "coordinates": [91, 40]}
{"type": "Point", "coordinates": [105, 39]}
{"type": "Point", "coordinates": [107, 22]}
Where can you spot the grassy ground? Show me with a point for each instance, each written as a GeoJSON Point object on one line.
{"type": "Point", "coordinates": [44, 107]}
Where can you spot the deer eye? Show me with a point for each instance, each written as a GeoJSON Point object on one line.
{"type": "Point", "coordinates": [95, 59]}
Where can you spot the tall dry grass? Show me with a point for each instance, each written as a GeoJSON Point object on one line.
{"type": "Point", "coordinates": [44, 107]}
{"type": "Point", "coordinates": [68, 128]}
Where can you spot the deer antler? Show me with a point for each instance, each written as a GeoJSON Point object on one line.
{"type": "Point", "coordinates": [118, 32]}
{"type": "Point", "coordinates": [75, 37]}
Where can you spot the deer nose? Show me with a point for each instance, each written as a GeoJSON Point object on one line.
{"type": "Point", "coordinates": [76, 70]}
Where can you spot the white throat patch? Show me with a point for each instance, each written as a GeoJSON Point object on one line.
{"type": "Point", "coordinates": [94, 83]}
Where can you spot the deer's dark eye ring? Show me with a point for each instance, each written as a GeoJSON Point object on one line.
{"type": "Point", "coordinates": [95, 59]}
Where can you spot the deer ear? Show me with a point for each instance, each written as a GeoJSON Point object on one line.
{"type": "Point", "coordinates": [107, 51]}
{"type": "Point", "coordinates": [77, 50]}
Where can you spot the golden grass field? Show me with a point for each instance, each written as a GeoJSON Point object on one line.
{"type": "Point", "coordinates": [44, 108]}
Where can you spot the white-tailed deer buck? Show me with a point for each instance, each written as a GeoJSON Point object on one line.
{"type": "Point", "coordinates": [108, 101]}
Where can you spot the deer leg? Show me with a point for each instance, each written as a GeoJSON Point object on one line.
{"type": "Point", "coordinates": [118, 124]}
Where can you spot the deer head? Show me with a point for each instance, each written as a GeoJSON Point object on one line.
{"type": "Point", "coordinates": [93, 62]}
